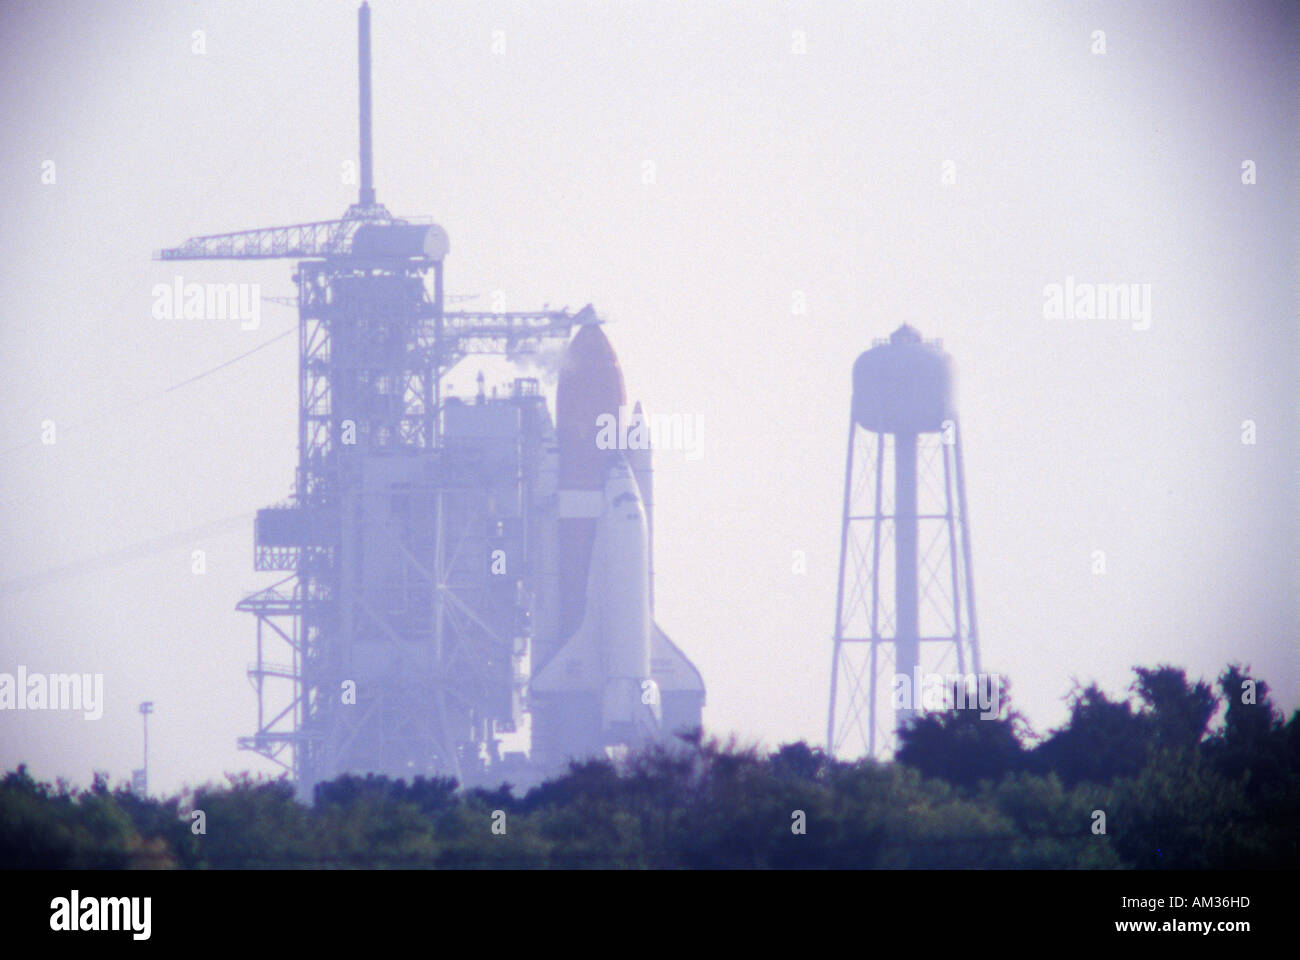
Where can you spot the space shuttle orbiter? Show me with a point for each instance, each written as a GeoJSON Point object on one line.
{"type": "Point", "coordinates": [616, 677]}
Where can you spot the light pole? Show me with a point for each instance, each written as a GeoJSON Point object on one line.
{"type": "Point", "coordinates": [141, 778]}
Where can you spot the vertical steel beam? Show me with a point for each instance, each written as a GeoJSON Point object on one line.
{"type": "Point", "coordinates": [367, 197]}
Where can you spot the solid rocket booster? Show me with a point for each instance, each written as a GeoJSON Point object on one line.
{"type": "Point", "coordinates": [640, 460]}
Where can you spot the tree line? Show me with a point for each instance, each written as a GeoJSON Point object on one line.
{"type": "Point", "coordinates": [1174, 774]}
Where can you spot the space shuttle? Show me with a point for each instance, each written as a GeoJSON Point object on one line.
{"type": "Point", "coordinates": [616, 678]}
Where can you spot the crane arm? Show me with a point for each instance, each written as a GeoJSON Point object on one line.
{"type": "Point", "coordinates": [321, 239]}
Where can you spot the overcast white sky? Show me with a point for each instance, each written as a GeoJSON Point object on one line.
{"type": "Point", "coordinates": [775, 172]}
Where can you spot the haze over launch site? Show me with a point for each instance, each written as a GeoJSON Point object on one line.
{"type": "Point", "coordinates": [749, 196]}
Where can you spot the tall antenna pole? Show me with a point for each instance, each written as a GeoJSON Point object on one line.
{"type": "Point", "coordinates": [142, 781]}
{"type": "Point", "coordinates": [367, 198]}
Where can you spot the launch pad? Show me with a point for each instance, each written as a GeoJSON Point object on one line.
{"type": "Point", "coordinates": [440, 551]}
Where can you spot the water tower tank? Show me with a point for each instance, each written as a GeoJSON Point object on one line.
{"type": "Point", "coordinates": [903, 386]}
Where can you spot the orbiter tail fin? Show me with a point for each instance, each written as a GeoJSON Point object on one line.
{"type": "Point", "coordinates": [669, 667]}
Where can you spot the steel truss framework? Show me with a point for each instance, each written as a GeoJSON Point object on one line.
{"type": "Point", "coordinates": [874, 532]}
{"type": "Point", "coordinates": [374, 345]}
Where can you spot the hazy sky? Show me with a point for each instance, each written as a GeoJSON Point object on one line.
{"type": "Point", "coordinates": [776, 173]}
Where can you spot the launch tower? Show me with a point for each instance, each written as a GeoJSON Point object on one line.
{"type": "Point", "coordinates": [420, 546]}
